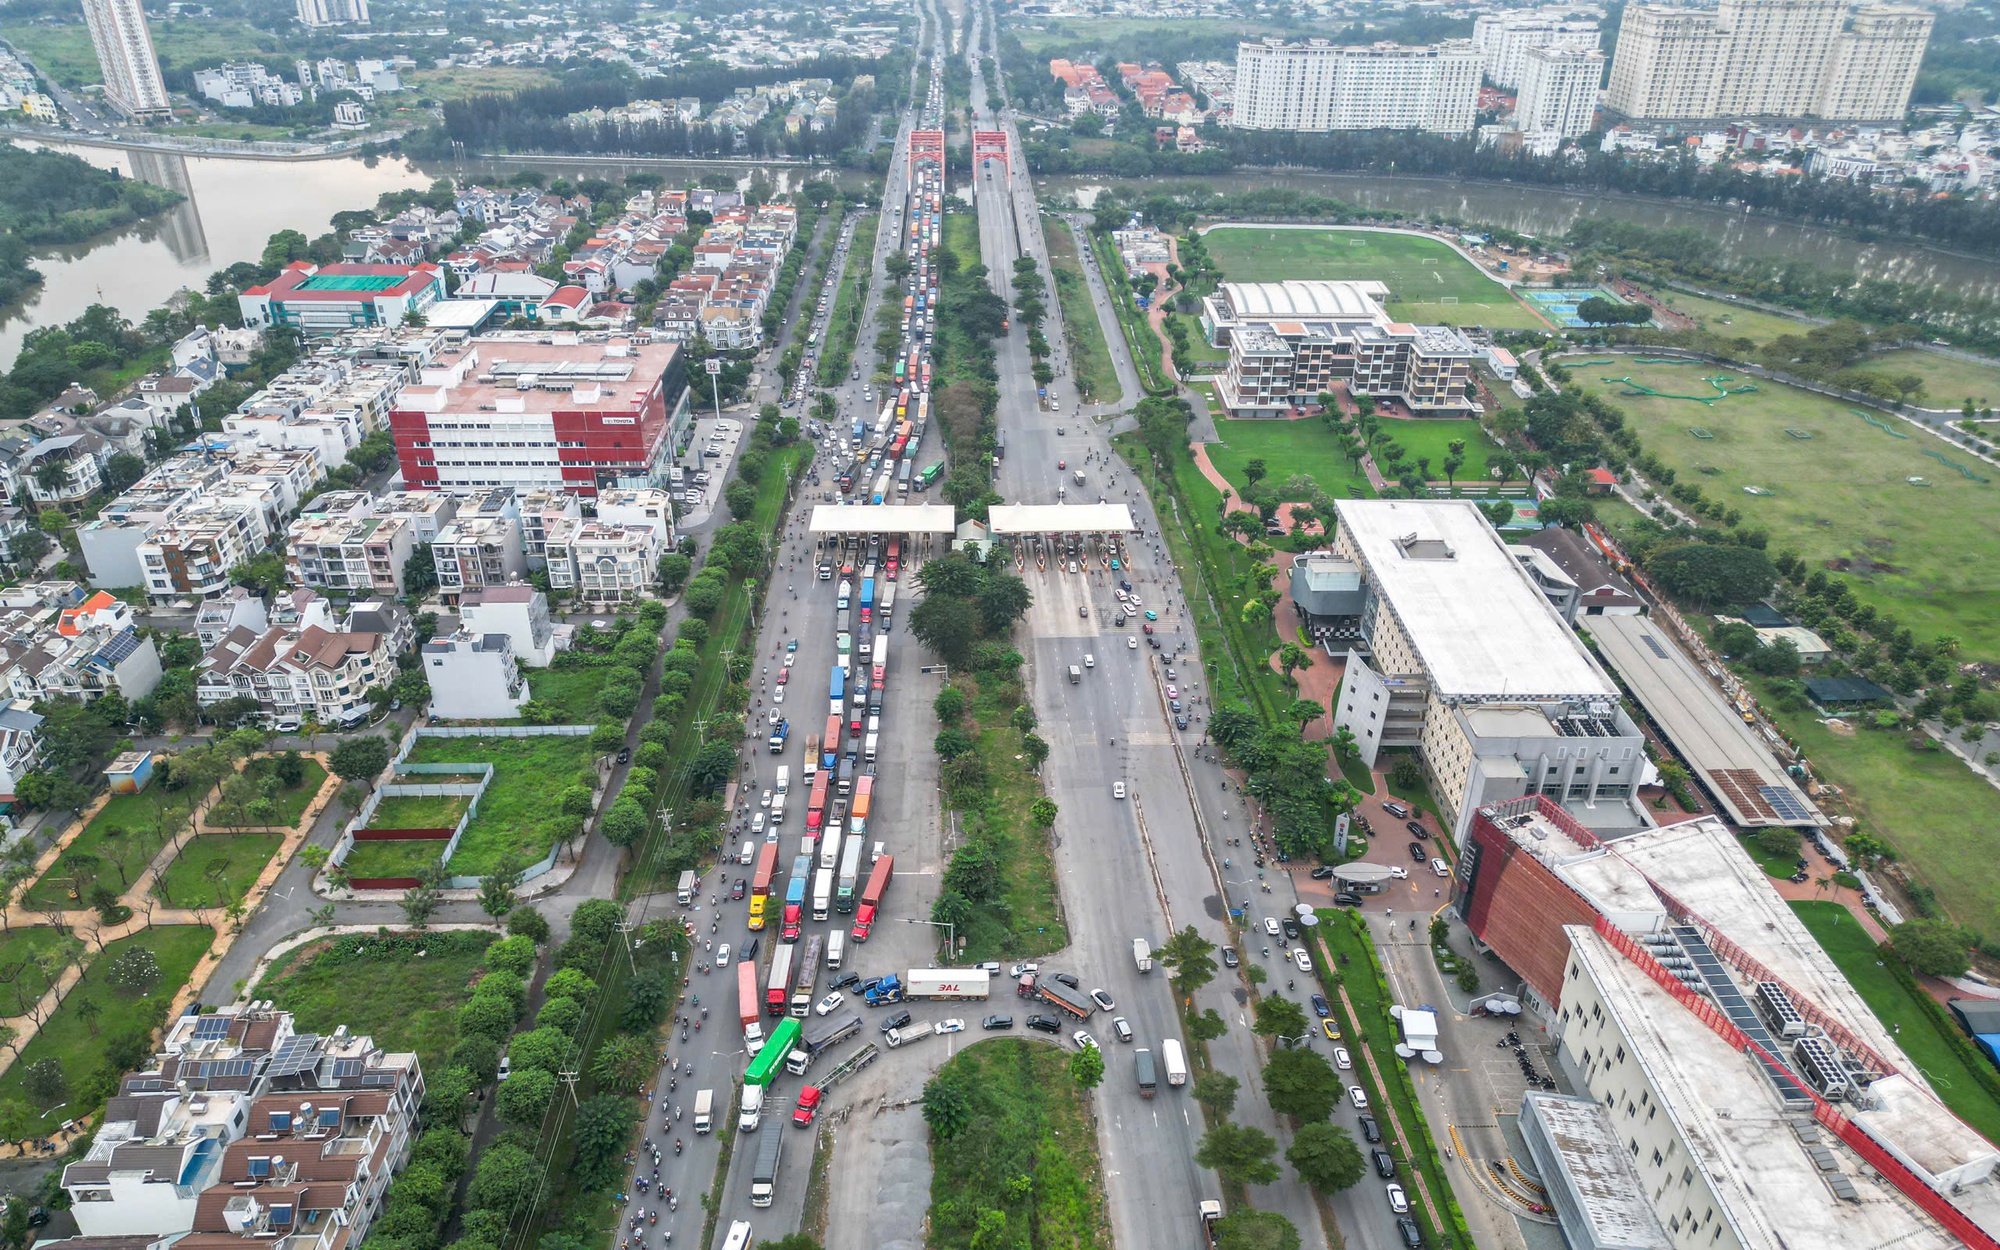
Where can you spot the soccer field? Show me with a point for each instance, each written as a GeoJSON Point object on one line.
{"type": "Point", "coordinates": [1420, 273]}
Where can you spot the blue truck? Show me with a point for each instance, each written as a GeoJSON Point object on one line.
{"type": "Point", "coordinates": [867, 597]}
{"type": "Point", "coordinates": [888, 990]}
{"type": "Point", "coordinates": [779, 733]}
{"type": "Point", "coordinates": [836, 689]}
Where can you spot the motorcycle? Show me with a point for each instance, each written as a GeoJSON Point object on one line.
{"type": "Point", "coordinates": [677, 1146]}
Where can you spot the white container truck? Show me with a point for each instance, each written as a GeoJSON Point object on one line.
{"type": "Point", "coordinates": [704, 1111]}
{"type": "Point", "coordinates": [1142, 954]}
{"type": "Point", "coordinates": [947, 983]}
{"type": "Point", "coordinates": [1177, 1070]}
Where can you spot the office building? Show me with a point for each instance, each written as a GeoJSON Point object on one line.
{"type": "Point", "coordinates": [317, 13]}
{"type": "Point", "coordinates": [1290, 341]}
{"type": "Point", "coordinates": [1319, 85]}
{"type": "Point", "coordinates": [125, 56]}
{"type": "Point", "coordinates": [1768, 58]}
{"type": "Point", "coordinates": [1558, 93]}
{"type": "Point", "coordinates": [1504, 39]}
{"type": "Point", "coordinates": [557, 411]}
{"type": "Point", "coordinates": [1459, 656]}
{"type": "Point", "coordinates": [334, 299]}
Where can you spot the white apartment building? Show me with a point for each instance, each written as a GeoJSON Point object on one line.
{"type": "Point", "coordinates": [351, 555]}
{"type": "Point", "coordinates": [519, 612]}
{"type": "Point", "coordinates": [82, 476]}
{"type": "Point", "coordinates": [316, 13]}
{"type": "Point", "coordinates": [603, 563]}
{"type": "Point", "coordinates": [1319, 85]}
{"type": "Point", "coordinates": [481, 547]}
{"type": "Point", "coordinates": [1558, 92]}
{"type": "Point", "coordinates": [131, 69]}
{"type": "Point", "coordinates": [474, 677]}
{"type": "Point", "coordinates": [1503, 39]}
{"type": "Point", "coordinates": [1768, 58]}
{"type": "Point", "coordinates": [650, 507]}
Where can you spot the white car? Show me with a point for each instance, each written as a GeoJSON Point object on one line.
{"type": "Point", "coordinates": [951, 1026]}
{"type": "Point", "coordinates": [1441, 868]}
{"type": "Point", "coordinates": [1399, 872]}
{"type": "Point", "coordinates": [778, 695]}
{"type": "Point", "coordinates": [791, 658]}
{"type": "Point", "coordinates": [1020, 970]}
{"type": "Point", "coordinates": [831, 1003]}
{"type": "Point", "coordinates": [1343, 1060]}
{"type": "Point", "coordinates": [1083, 1040]}
{"type": "Point", "coordinates": [1302, 960]}
{"type": "Point", "coordinates": [1399, 1202]}
{"type": "Point", "coordinates": [765, 799]}
{"type": "Point", "coordinates": [1358, 1096]}
{"type": "Point", "coordinates": [1131, 644]}
{"type": "Point", "coordinates": [721, 956]}
{"type": "Point", "coordinates": [1271, 926]}
{"type": "Point", "coordinates": [1117, 789]}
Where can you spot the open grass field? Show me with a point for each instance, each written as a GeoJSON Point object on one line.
{"type": "Point", "coordinates": [420, 811]}
{"type": "Point", "coordinates": [112, 850]}
{"type": "Point", "coordinates": [240, 794]}
{"type": "Point", "coordinates": [1948, 381]}
{"type": "Point", "coordinates": [24, 978]}
{"type": "Point", "coordinates": [462, 81]}
{"type": "Point", "coordinates": [1418, 271]}
{"type": "Point", "coordinates": [80, 1040]}
{"type": "Point", "coordinates": [1029, 919]}
{"type": "Point", "coordinates": [1089, 356]}
{"type": "Point", "coordinates": [572, 692]}
{"type": "Point", "coordinates": [1433, 438]}
{"type": "Point", "coordinates": [1287, 448]}
{"type": "Point", "coordinates": [527, 773]}
{"type": "Point", "coordinates": [1916, 1031]}
{"type": "Point", "coordinates": [1841, 498]}
{"type": "Point", "coordinates": [215, 868]}
{"type": "Point", "coordinates": [1731, 320]}
{"type": "Point", "coordinates": [1028, 1120]}
{"type": "Point", "coordinates": [64, 53]}
{"type": "Point", "coordinates": [412, 1000]}
{"type": "Point", "coordinates": [392, 859]}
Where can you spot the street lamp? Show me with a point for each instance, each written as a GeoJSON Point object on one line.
{"type": "Point", "coordinates": [1289, 1041]}
{"type": "Point", "coordinates": [950, 938]}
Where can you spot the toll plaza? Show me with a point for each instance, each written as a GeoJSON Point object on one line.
{"type": "Point", "coordinates": [1078, 537]}
{"type": "Point", "coordinates": [926, 527]}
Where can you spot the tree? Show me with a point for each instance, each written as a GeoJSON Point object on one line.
{"type": "Point", "coordinates": [1407, 773]}
{"type": "Point", "coordinates": [947, 625]}
{"type": "Point", "coordinates": [1003, 599]}
{"type": "Point", "coordinates": [506, 1179]}
{"type": "Point", "coordinates": [1246, 1229]}
{"type": "Point", "coordinates": [46, 1082]}
{"type": "Point", "coordinates": [1239, 1154]}
{"type": "Point", "coordinates": [1301, 1084]}
{"type": "Point", "coordinates": [360, 759]}
{"type": "Point", "coordinates": [1086, 1067]}
{"type": "Point", "coordinates": [1932, 948]}
{"type": "Point", "coordinates": [1279, 1017]}
{"type": "Point", "coordinates": [418, 902]}
{"type": "Point", "coordinates": [712, 766]}
{"type": "Point", "coordinates": [1707, 574]}
{"type": "Point", "coordinates": [1773, 840]}
{"type": "Point", "coordinates": [602, 1126]}
{"type": "Point", "coordinates": [1043, 812]}
{"type": "Point", "coordinates": [625, 822]}
{"type": "Point", "coordinates": [420, 572]}
{"type": "Point", "coordinates": [1217, 1092]}
{"type": "Point", "coordinates": [623, 1062]}
{"type": "Point", "coordinates": [496, 889]}
{"type": "Point", "coordinates": [947, 1108]}
{"type": "Point", "coordinates": [135, 972]}
{"type": "Point", "coordinates": [1188, 953]}
{"type": "Point", "coordinates": [674, 569]}
{"type": "Point", "coordinates": [524, 1097]}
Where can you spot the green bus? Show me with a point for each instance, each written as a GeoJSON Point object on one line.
{"type": "Point", "coordinates": [771, 1059]}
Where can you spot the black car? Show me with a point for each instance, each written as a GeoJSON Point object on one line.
{"type": "Point", "coordinates": [1413, 1237]}
{"type": "Point", "coordinates": [1416, 829]}
{"type": "Point", "coordinates": [1291, 928]}
{"type": "Point", "coordinates": [896, 1021]}
{"type": "Point", "coordinates": [1385, 1165]}
{"type": "Point", "coordinates": [1229, 959]}
{"type": "Point", "coordinates": [1045, 1023]}
{"type": "Point", "coordinates": [1069, 980]}
{"type": "Point", "coordinates": [1344, 899]}
{"type": "Point", "coordinates": [1322, 873]}
{"type": "Point", "coordinates": [1418, 853]}
{"type": "Point", "coordinates": [1321, 1007]}
{"type": "Point", "coordinates": [997, 1022]}
{"type": "Point", "coordinates": [1370, 1130]}
{"type": "Point", "coordinates": [749, 952]}
{"type": "Point", "coordinates": [842, 982]}
{"type": "Point", "coordinates": [624, 755]}
{"type": "Point", "coordinates": [868, 984]}
{"type": "Point", "coordinates": [736, 891]}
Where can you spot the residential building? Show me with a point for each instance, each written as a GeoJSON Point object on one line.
{"type": "Point", "coordinates": [317, 13]}
{"type": "Point", "coordinates": [242, 85]}
{"type": "Point", "coordinates": [125, 56]}
{"type": "Point", "coordinates": [1768, 58]}
{"type": "Point", "coordinates": [482, 547]}
{"type": "Point", "coordinates": [1503, 39]}
{"type": "Point", "coordinates": [241, 1129]}
{"type": "Point", "coordinates": [350, 555]}
{"type": "Point", "coordinates": [1290, 341]}
{"type": "Point", "coordinates": [520, 410]}
{"type": "Point", "coordinates": [20, 744]}
{"type": "Point", "coordinates": [191, 555]}
{"type": "Point", "coordinates": [81, 476]}
{"type": "Point", "coordinates": [76, 648]}
{"type": "Point", "coordinates": [521, 613]}
{"type": "Point", "coordinates": [314, 673]}
{"type": "Point", "coordinates": [651, 508]}
{"type": "Point", "coordinates": [540, 510]}
{"type": "Point", "coordinates": [237, 606]}
{"type": "Point", "coordinates": [1558, 93]}
{"type": "Point", "coordinates": [603, 563]}
{"type": "Point", "coordinates": [1460, 656]}
{"type": "Point", "coordinates": [474, 677]}
{"type": "Point", "coordinates": [1319, 85]}
{"type": "Point", "coordinates": [329, 299]}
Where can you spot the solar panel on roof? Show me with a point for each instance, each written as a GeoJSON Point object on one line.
{"type": "Point", "coordinates": [296, 1055]}
{"type": "Point", "coordinates": [346, 1067]}
{"type": "Point", "coordinates": [1653, 645]}
{"type": "Point", "coordinates": [118, 649]}
{"type": "Point", "coordinates": [1786, 803]}
{"type": "Point", "coordinates": [211, 1026]}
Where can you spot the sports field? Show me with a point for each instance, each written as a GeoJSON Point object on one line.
{"type": "Point", "coordinates": [1419, 272]}
{"type": "Point", "coordinates": [1922, 549]}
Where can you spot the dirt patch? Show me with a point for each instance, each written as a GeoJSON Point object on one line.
{"type": "Point", "coordinates": [1861, 566]}
{"type": "Point", "coordinates": [1840, 729]}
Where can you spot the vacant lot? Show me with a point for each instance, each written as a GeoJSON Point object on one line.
{"type": "Point", "coordinates": [460, 82]}
{"type": "Point", "coordinates": [420, 811]}
{"type": "Point", "coordinates": [527, 774]}
{"type": "Point", "coordinates": [1419, 272]}
{"type": "Point", "coordinates": [1287, 448]}
{"type": "Point", "coordinates": [416, 982]}
{"type": "Point", "coordinates": [1732, 320]}
{"type": "Point", "coordinates": [215, 868]}
{"type": "Point", "coordinates": [392, 859]}
{"type": "Point", "coordinates": [1842, 498]}
{"type": "Point", "coordinates": [1948, 381]}
{"type": "Point", "coordinates": [64, 52]}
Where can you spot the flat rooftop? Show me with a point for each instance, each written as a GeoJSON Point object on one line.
{"type": "Point", "coordinates": [883, 518]}
{"type": "Point", "coordinates": [1481, 628]}
{"type": "Point", "coordinates": [1602, 1178]}
{"type": "Point", "coordinates": [1731, 759]}
{"type": "Point", "coordinates": [493, 378]}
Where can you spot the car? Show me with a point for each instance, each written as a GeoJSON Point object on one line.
{"type": "Point", "coordinates": [997, 1022]}
{"type": "Point", "coordinates": [790, 659]}
{"type": "Point", "coordinates": [1069, 979]}
{"type": "Point", "coordinates": [1083, 1040]}
{"type": "Point", "coordinates": [1344, 899]}
{"type": "Point", "coordinates": [1321, 1007]}
{"type": "Point", "coordinates": [1229, 959]}
{"type": "Point", "coordinates": [736, 891]}
{"type": "Point", "coordinates": [1103, 1000]}
{"type": "Point", "coordinates": [863, 986]}
{"type": "Point", "coordinates": [1180, 722]}
{"type": "Point", "coordinates": [721, 955]}
{"type": "Point", "coordinates": [624, 755]}
{"type": "Point", "coordinates": [1418, 853]}
{"type": "Point", "coordinates": [1331, 1030]}
{"type": "Point", "coordinates": [792, 644]}
{"type": "Point", "coordinates": [1416, 829]}
{"type": "Point", "coordinates": [506, 1067]}
{"type": "Point", "coordinates": [1171, 675]}
{"type": "Point", "coordinates": [1300, 960]}
{"type": "Point", "coordinates": [1173, 692]}
{"type": "Point", "coordinates": [896, 1021]}
{"type": "Point", "coordinates": [1121, 1028]}
{"type": "Point", "coordinates": [1154, 643]}
{"type": "Point", "coordinates": [784, 674]}
{"type": "Point", "coordinates": [1358, 1096]}
{"type": "Point", "coordinates": [764, 800]}
{"type": "Point", "coordinates": [830, 1004]}
{"type": "Point", "coordinates": [1271, 928]}
{"type": "Point", "coordinates": [1406, 1228]}
{"type": "Point", "coordinates": [749, 952]}
{"type": "Point", "coordinates": [951, 1026]}
{"type": "Point", "coordinates": [1399, 1202]}
{"type": "Point", "coordinates": [842, 982]}
{"type": "Point", "coordinates": [1343, 1060]}
{"type": "Point", "coordinates": [1062, 464]}
{"type": "Point", "coordinates": [1291, 928]}
{"type": "Point", "coordinates": [1132, 644]}
{"type": "Point", "coordinates": [1146, 628]}
{"type": "Point", "coordinates": [809, 1097]}
{"type": "Point", "coordinates": [1370, 1130]}
{"type": "Point", "coordinates": [1152, 615]}
{"type": "Point", "coordinates": [1321, 873]}
{"type": "Point", "coordinates": [1020, 970]}
{"type": "Point", "coordinates": [1044, 1024]}
{"type": "Point", "coordinates": [1398, 872]}
{"type": "Point", "coordinates": [1117, 789]}
{"type": "Point", "coordinates": [778, 695]}
{"type": "Point", "coordinates": [1441, 868]}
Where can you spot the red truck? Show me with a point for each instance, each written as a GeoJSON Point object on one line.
{"type": "Point", "coordinates": [746, 1006]}
{"type": "Point", "coordinates": [871, 897]}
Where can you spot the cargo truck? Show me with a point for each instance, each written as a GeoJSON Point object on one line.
{"type": "Point", "coordinates": [818, 1037]}
{"type": "Point", "coordinates": [795, 909]}
{"type": "Point", "coordinates": [778, 808]}
{"type": "Point", "coordinates": [761, 884]}
{"type": "Point", "coordinates": [1142, 1067]}
{"type": "Point", "coordinates": [764, 1176]}
{"type": "Point", "coordinates": [947, 983]}
{"type": "Point", "coordinates": [1142, 954]}
{"type": "Point", "coordinates": [910, 1033]}
{"type": "Point", "coordinates": [804, 975]}
{"type": "Point", "coordinates": [1063, 997]}
{"type": "Point", "coordinates": [871, 896]}
{"type": "Point", "coordinates": [778, 986]}
{"type": "Point", "coordinates": [857, 815]}
{"type": "Point", "coordinates": [823, 893]}
{"type": "Point", "coordinates": [746, 1007]}
{"type": "Point", "coordinates": [849, 879]}
{"type": "Point", "coordinates": [829, 746]}
{"type": "Point", "coordinates": [778, 735]}
{"type": "Point", "coordinates": [1210, 1214]}
{"type": "Point", "coordinates": [829, 850]}
{"type": "Point", "coordinates": [704, 1111]}
{"type": "Point", "coordinates": [685, 893]}
{"type": "Point", "coordinates": [1177, 1070]}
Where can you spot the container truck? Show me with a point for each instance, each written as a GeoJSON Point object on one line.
{"type": "Point", "coordinates": [1142, 954]}
{"type": "Point", "coordinates": [867, 600]}
{"type": "Point", "coordinates": [829, 747]}
{"type": "Point", "coordinates": [764, 1176]}
{"type": "Point", "coordinates": [864, 798]}
{"type": "Point", "coordinates": [795, 910]}
{"type": "Point", "coordinates": [947, 983]}
{"type": "Point", "coordinates": [887, 990]}
{"type": "Point", "coordinates": [849, 879]}
{"type": "Point", "coordinates": [871, 896]}
{"type": "Point", "coordinates": [829, 850]}
{"type": "Point", "coordinates": [760, 883]}
{"type": "Point", "coordinates": [784, 785]}
{"type": "Point", "coordinates": [880, 663]}
{"type": "Point", "coordinates": [752, 1110]}
{"type": "Point", "coordinates": [778, 986]}
{"type": "Point", "coordinates": [1177, 1069]}
{"type": "Point", "coordinates": [746, 1006]}
{"type": "Point", "coordinates": [837, 685]}
{"type": "Point", "coordinates": [820, 1035]}
{"type": "Point", "coordinates": [884, 608]}
{"type": "Point", "coordinates": [1063, 997]}
{"type": "Point", "coordinates": [704, 1111]}
{"type": "Point", "coordinates": [822, 895]}
{"type": "Point", "coordinates": [1142, 1068]}
{"type": "Point", "coordinates": [910, 1033]}
{"type": "Point", "coordinates": [804, 975]}
{"type": "Point", "coordinates": [816, 805]}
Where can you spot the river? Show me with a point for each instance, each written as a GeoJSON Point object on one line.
{"type": "Point", "coordinates": [234, 205]}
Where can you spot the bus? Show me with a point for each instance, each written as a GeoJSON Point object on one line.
{"type": "Point", "coordinates": [871, 897]}
{"type": "Point", "coordinates": [816, 806]}
{"type": "Point", "coordinates": [739, 1236]}
{"type": "Point", "coordinates": [770, 1060]}
{"type": "Point", "coordinates": [760, 884]}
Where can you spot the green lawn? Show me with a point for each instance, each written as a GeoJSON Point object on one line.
{"type": "Point", "coordinates": [1028, 922]}
{"type": "Point", "coordinates": [420, 811]}
{"type": "Point", "coordinates": [1418, 271]}
{"type": "Point", "coordinates": [1089, 357]}
{"type": "Point", "coordinates": [415, 985]}
{"type": "Point", "coordinates": [1916, 1031]}
{"type": "Point", "coordinates": [80, 1042]}
{"type": "Point", "coordinates": [1732, 320]}
{"type": "Point", "coordinates": [392, 859]}
{"type": "Point", "coordinates": [1433, 438]}
{"type": "Point", "coordinates": [217, 867]}
{"type": "Point", "coordinates": [1208, 359]}
{"type": "Point", "coordinates": [237, 807]}
{"type": "Point", "coordinates": [570, 692]}
{"type": "Point", "coordinates": [1288, 448]}
{"type": "Point", "coordinates": [1948, 381]}
{"type": "Point", "coordinates": [459, 82]}
{"type": "Point", "coordinates": [1840, 498]}
{"type": "Point", "coordinates": [527, 774]}
{"type": "Point", "coordinates": [1773, 865]}
{"type": "Point", "coordinates": [1028, 1121]}
{"type": "Point", "coordinates": [22, 980]}
{"type": "Point", "coordinates": [116, 845]}
{"type": "Point", "coordinates": [65, 54]}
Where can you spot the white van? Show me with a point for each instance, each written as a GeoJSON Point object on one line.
{"type": "Point", "coordinates": [868, 750]}
{"type": "Point", "coordinates": [748, 855]}
{"type": "Point", "coordinates": [836, 946]}
{"type": "Point", "coordinates": [784, 779]}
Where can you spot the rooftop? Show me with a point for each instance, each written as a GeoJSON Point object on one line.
{"type": "Point", "coordinates": [1481, 629]}
{"type": "Point", "coordinates": [1307, 298]}
{"type": "Point", "coordinates": [515, 375]}
{"type": "Point", "coordinates": [1060, 518]}
{"type": "Point", "coordinates": [1599, 1170]}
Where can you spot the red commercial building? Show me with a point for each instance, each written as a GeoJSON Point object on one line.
{"type": "Point", "coordinates": [537, 411]}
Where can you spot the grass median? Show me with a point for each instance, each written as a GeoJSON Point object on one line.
{"type": "Point", "coordinates": [1089, 355]}
{"type": "Point", "coordinates": [843, 325]}
{"type": "Point", "coordinates": [1141, 344]}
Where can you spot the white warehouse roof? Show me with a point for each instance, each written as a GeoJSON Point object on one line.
{"type": "Point", "coordinates": [1305, 298]}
